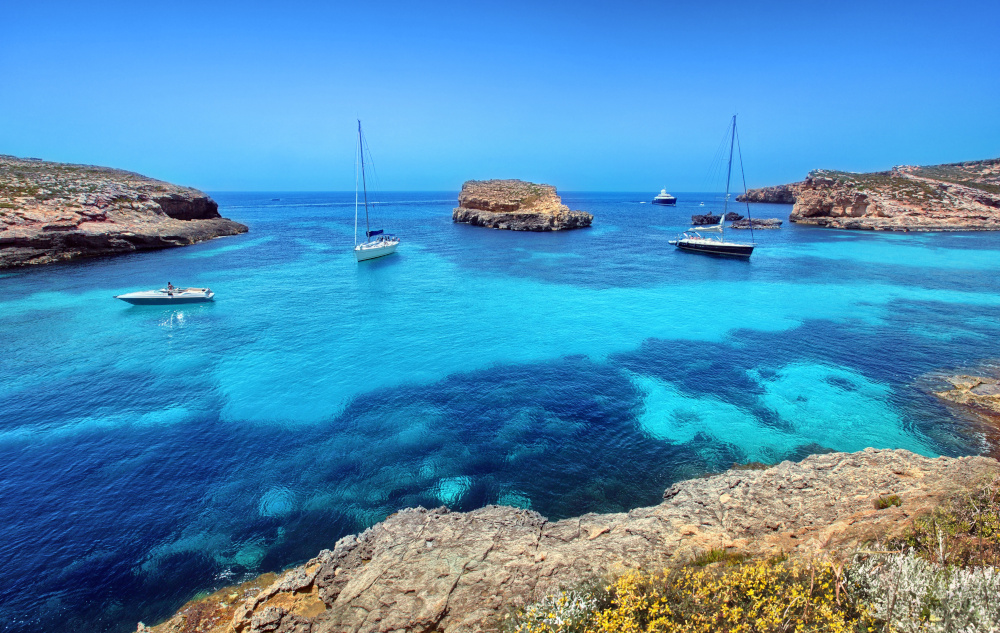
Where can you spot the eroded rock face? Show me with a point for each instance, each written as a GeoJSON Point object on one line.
{"type": "Point", "coordinates": [953, 197]}
{"type": "Point", "coordinates": [435, 570]}
{"type": "Point", "coordinates": [779, 194]}
{"type": "Point", "coordinates": [516, 205]}
{"type": "Point", "coordinates": [53, 212]}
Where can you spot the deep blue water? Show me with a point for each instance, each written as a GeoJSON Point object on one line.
{"type": "Point", "coordinates": [148, 453]}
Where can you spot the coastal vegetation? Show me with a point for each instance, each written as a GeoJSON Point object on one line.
{"type": "Point", "coordinates": [942, 576]}
{"type": "Point", "coordinates": [952, 197]}
{"type": "Point", "coordinates": [805, 546]}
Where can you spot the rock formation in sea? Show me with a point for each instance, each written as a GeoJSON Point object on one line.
{"type": "Point", "coordinates": [53, 212]}
{"type": "Point", "coordinates": [516, 205]}
{"type": "Point", "coordinates": [435, 570]}
{"type": "Point", "coordinates": [952, 197]}
{"type": "Point", "coordinates": [758, 223]}
{"type": "Point", "coordinates": [779, 194]}
{"type": "Point", "coordinates": [708, 218]}
{"type": "Point", "coordinates": [980, 393]}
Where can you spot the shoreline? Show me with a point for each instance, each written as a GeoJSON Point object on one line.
{"type": "Point", "coordinates": [425, 569]}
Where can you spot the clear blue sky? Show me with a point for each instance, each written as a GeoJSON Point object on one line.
{"type": "Point", "coordinates": [586, 96]}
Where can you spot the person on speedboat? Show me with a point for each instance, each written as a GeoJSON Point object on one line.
{"type": "Point", "coordinates": [170, 288]}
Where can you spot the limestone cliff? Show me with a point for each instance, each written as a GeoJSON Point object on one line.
{"type": "Point", "coordinates": [435, 570]}
{"type": "Point", "coordinates": [778, 194]}
{"type": "Point", "coordinates": [516, 205]}
{"type": "Point", "coordinates": [952, 197]}
{"type": "Point", "coordinates": [56, 211]}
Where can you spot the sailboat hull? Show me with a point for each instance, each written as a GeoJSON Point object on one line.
{"type": "Point", "coordinates": [363, 252]}
{"type": "Point", "coordinates": [717, 248]}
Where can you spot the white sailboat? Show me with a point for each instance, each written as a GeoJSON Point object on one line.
{"type": "Point", "coordinates": [693, 241]}
{"type": "Point", "coordinates": [377, 242]}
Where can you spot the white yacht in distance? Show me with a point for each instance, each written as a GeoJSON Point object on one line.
{"type": "Point", "coordinates": [664, 198]}
{"type": "Point", "coordinates": [378, 243]}
{"type": "Point", "coordinates": [168, 296]}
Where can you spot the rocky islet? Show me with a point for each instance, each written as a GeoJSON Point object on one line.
{"type": "Point", "coordinates": [52, 212]}
{"type": "Point", "coordinates": [516, 205]}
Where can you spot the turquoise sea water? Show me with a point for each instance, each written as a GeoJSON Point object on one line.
{"type": "Point", "coordinates": [148, 453]}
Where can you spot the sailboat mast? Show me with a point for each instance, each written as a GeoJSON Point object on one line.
{"type": "Point", "coordinates": [361, 148]}
{"type": "Point", "coordinates": [729, 172]}
{"type": "Point", "coordinates": [356, 157]}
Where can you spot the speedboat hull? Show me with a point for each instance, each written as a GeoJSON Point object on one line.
{"type": "Point", "coordinates": [714, 247]}
{"type": "Point", "coordinates": [168, 297]}
{"type": "Point", "coordinates": [364, 252]}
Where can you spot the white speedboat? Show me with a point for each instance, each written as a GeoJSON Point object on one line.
{"type": "Point", "coordinates": [168, 296]}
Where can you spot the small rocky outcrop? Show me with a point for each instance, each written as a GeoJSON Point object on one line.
{"type": "Point", "coordinates": [708, 218]}
{"type": "Point", "coordinates": [757, 223]}
{"type": "Point", "coordinates": [516, 205]}
{"type": "Point", "coordinates": [978, 392]}
{"type": "Point", "coordinates": [53, 212]}
{"type": "Point", "coordinates": [435, 570]}
{"type": "Point", "coordinates": [952, 197]}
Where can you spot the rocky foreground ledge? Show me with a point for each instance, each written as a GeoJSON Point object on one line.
{"type": "Point", "coordinates": [53, 212]}
{"type": "Point", "coordinates": [952, 197]}
{"type": "Point", "coordinates": [435, 570]}
{"type": "Point", "coordinates": [516, 205]}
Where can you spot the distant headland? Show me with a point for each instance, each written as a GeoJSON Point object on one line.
{"type": "Point", "coordinates": [516, 205]}
{"type": "Point", "coordinates": [52, 212]}
{"type": "Point", "coordinates": [953, 197]}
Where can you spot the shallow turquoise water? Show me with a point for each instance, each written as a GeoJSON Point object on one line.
{"type": "Point", "coordinates": [147, 453]}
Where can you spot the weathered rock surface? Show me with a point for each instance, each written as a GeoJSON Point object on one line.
{"type": "Point", "coordinates": [56, 211]}
{"type": "Point", "coordinates": [952, 197]}
{"type": "Point", "coordinates": [978, 392]}
{"type": "Point", "coordinates": [779, 194]}
{"type": "Point", "coordinates": [708, 218]}
{"type": "Point", "coordinates": [434, 570]}
{"type": "Point", "coordinates": [758, 223]}
{"type": "Point", "coordinates": [516, 205]}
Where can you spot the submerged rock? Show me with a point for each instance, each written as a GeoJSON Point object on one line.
{"type": "Point", "coordinates": [435, 570]}
{"type": "Point", "coordinates": [53, 212]}
{"type": "Point", "coordinates": [516, 205]}
{"type": "Point", "coordinates": [979, 392]}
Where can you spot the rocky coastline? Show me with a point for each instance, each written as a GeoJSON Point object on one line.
{"type": "Point", "coordinates": [51, 212]}
{"type": "Point", "coordinates": [952, 197]}
{"type": "Point", "coordinates": [778, 194]}
{"type": "Point", "coordinates": [435, 570]}
{"type": "Point", "coordinates": [516, 205]}
{"type": "Point", "coordinates": [980, 393]}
